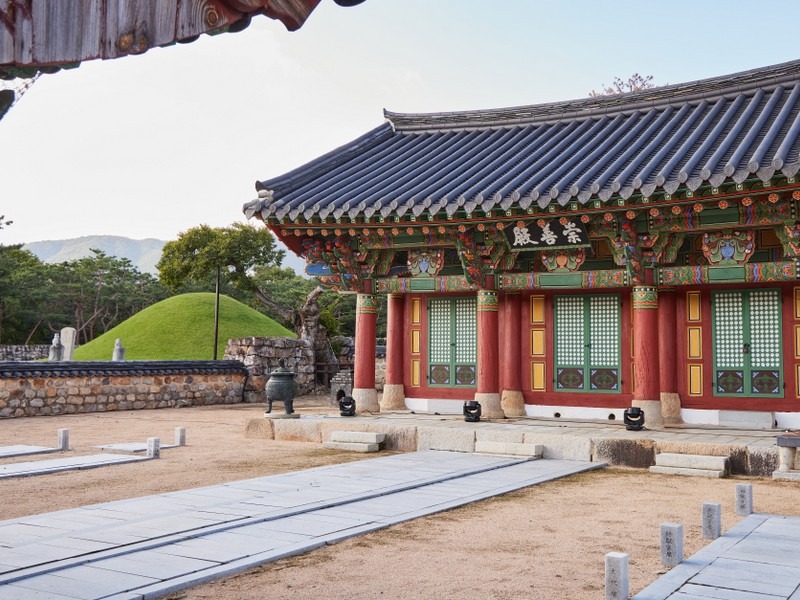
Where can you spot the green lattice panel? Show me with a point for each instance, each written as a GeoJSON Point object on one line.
{"type": "Point", "coordinates": [604, 334]}
{"type": "Point", "coordinates": [569, 330]}
{"type": "Point", "coordinates": [765, 329]}
{"type": "Point", "coordinates": [440, 331]}
{"type": "Point", "coordinates": [466, 331]}
{"type": "Point", "coordinates": [729, 330]}
{"type": "Point", "coordinates": [747, 343]}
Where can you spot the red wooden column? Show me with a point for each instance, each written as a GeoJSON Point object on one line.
{"type": "Point", "coordinates": [668, 356]}
{"type": "Point", "coordinates": [488, 392]}
{"type": "Point", "coordinates": [511, 400]}
{"type": "Point", "coordinates": [364, 392]}
{"type": "Point", "coordinates": [394, 396]}
{"type": "Point", "coordinates": [646, 394]}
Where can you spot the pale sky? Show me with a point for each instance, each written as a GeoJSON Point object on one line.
{"type": "Point", "coordinates": [152, 145]}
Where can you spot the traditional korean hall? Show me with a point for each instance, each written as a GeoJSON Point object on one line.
{"type": "Point", "coordinates": [570, 259]}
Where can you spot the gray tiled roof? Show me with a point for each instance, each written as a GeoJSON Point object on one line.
{"type": "Point", "coordinates": [681, 136]}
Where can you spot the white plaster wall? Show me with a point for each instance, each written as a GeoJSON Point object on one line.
{"type": "Point", "coordinates": [574, 412]}
{"type": "Point", "coordinates": [429, 406]}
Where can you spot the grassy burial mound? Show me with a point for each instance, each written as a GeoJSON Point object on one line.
{"type": "Point", "coordinates": [182, 328]}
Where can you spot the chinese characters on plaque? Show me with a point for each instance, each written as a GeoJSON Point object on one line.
{"type": "Point", "coordinates": [542, 234]}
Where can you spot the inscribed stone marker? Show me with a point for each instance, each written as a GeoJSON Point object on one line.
{"type": "Point", "coordinates": [712, 520]}
{"type": "Point", "coordinates": [153, 447]}
{"type": "Point", "coordinates": [744, 499]}
{"type": "Point", "coordinates": [616, 576]}
{"type": "Point", "coordinates": [671, 544]}
{"type": "Point", "coordinates": [180, 436]}
{"type": "Point", "coordinates": [69, 338]}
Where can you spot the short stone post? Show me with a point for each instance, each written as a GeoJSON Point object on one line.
{"type": "Point", "coordinates": [786, 457]}
{"type": "Point", "coordinates": [63, 439]}
{"type": "Point", "coordinates": [744, 499]}
{"type": "Point", "coordinates": [616, 576]}
{"type": "Point", "coordinates": [118, 355]}
{"type": "Point", "coordinates": [671, 544]}
{"type": "Point", "coordinates": [712, 520]}
{"type": "Point", "coordinates": [153, 447]}
{"type": "Point", "coordinates": [180, 436]}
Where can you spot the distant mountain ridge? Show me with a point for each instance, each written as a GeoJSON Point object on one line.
{"type": "Point", "coordinates": [144, 254]}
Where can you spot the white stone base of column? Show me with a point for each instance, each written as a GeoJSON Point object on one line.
{"type": "Point", "coordinates": [367, 400]}
{"type": "Point", "coordinates": [652, 412]}
{"type": "Point", "coordinates": [670, 408]}
{"type": "Point", "coordinates": [512, 403]}
{"type": "Point", "coordinates": [394, 397]}
{"type": "Point", "coordinates": [490, 405]}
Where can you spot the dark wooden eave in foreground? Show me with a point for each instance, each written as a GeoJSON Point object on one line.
{"type": "Point", "coordinates": [44, 35]}
{"type": "Point", "coordinates": [725, 130]}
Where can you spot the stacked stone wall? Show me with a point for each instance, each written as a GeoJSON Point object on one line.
{"type": "Point", "coordinates": [22, 353]}
{"type": "Point", "coordinates": [347, 349]}
{"type": "Point", "coordinates": [82, 387]}
{"type": "Point", "coordinates": [261, 355]}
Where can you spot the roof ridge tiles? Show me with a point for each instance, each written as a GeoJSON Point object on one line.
{"type": "Point", "coordinates": [733, 84]}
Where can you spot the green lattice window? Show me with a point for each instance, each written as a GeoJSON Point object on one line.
{"type": "Point", "coordinates": [453, 345]}
{"type": "Point", "coordinates": [748, 355]}
{"type": "Point", "coordinates": [587, 340]}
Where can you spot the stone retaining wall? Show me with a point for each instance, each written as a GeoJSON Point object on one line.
{"type": "Point", "coordinates": [21, 353]}
{"type": "Point", "coordinates": [32, 389]}
{"type": "Point", "coordinates": [260, 356]}
{"type": "Point", "coordinates": [753, 459]}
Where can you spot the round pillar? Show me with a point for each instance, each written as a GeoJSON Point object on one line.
{"type": "Point", "coordinates": [668, 357]}
{"type": "Point", "coordinates": [394, 397]}
{"type": "Point", "coordinates": [364, 391]}
{"type": "Point", "coordinates": [646, 393]}
{"type": "Point", "coordinates": [488, 392]}
{"type": "Point", "coordinates": [511, 399]}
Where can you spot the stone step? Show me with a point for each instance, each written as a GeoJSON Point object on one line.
{"type": "Point", "coordinates": [358, 437]}
{"type": "Point", "coordinates": [692, 461]}
{"type": "Point", "coordinates": [690, 472]}
{"type": "Point", "coordinates": [352, 446]}
{"type": "Point", "coordinates": [510, 448]}
{"type": "Point", "coordinates": [747, 419]}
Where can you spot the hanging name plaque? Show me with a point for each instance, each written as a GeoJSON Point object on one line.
{"type": "Point", "coordinates": [546, 235]}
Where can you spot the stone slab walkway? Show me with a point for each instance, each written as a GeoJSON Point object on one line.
{"type": "Point", "coordinates": [133, 447]}
{"type": "Point", "coordinates": [151, 546]}
{"type": "Point", "coordinates": [757, 559]}
{"type": "Point", "coordinates": [72, 463]}
{"type": "Point", "coordinates": [25, 450]}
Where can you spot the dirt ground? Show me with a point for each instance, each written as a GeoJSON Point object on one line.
{"type": "Point", "coordinates": [543, 542]}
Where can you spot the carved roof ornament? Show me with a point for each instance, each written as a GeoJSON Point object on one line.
{"type": "Point", "coordinates": [255, 207]}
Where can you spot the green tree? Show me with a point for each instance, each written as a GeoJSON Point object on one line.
{"type": "Point", "coordinates": [95, 293]}
{"type": "Point", "coordinates": [236, 251]}
{"type": "Point", "coordinates": [250, 261]}
{"type": "Point", "coordinates": [23, 294]}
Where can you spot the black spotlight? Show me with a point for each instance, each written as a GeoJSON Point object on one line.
{"type": "Point", "coordinates": [472, 411]}
{"type": "Point", "coordinates": [347, 406]}
{"type": "Point", "coordinates": [634, 418]}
